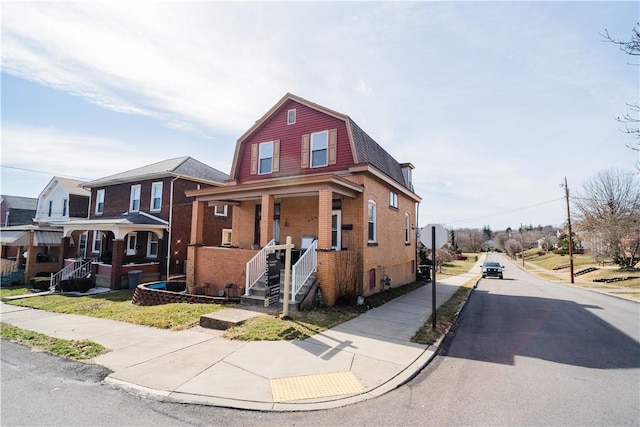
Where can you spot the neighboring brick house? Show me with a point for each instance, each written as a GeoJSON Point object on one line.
{"type": "Point", "coordinates": [62, 200]}
{"type": "Point", "coordinates": [311, 173]}
{"type": "Point", "coordinates": [17, 210]}
{"type": "Point", "coordinates": [141, 219]}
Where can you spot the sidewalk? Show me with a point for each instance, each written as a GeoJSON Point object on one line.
{"type": "Point", "coordinates": [357, 360]}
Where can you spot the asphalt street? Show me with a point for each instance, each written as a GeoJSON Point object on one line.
{"type": "Point", "coordinates": [524, 352]}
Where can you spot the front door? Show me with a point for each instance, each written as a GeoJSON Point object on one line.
{"type": "Point", "coordinates": [336, 230]}
{"type": "Point", "coordinates": [132, 243]}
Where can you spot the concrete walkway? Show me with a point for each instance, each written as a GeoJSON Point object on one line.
{"type": "Point", "coordinates": [357, 360]}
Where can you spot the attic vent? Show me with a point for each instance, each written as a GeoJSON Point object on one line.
{"type": "Point", "coordinates": [291, 116]}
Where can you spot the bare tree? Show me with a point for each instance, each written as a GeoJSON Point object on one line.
{"type": "Point", "coordinates": [512, 247]}
{"type": "Point", "coordinates": [442, 256]}
{"type": "Point", "coordinates": [630, 119]}
{"type": "Point", "coordinates": [608, 208]}
{"type": "Point", "coordinates": [470, 240]}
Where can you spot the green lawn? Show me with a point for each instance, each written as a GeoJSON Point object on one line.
{"type": "Point", "coordinates": [71, 349]}
{"type": "Point", "coordinates": [13, 291]}
{"type": "Point", "coordinates": [117, 306]}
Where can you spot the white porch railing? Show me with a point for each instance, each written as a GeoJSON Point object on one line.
{"type": "Point", "coordinates": [79, 268]}
{"type": "Point", "coordinates": [256, 267]}
{"type": "Point", "coordinates": [303, 269]}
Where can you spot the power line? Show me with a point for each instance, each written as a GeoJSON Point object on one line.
{"type": "Point", "coordinates": [44, 172]}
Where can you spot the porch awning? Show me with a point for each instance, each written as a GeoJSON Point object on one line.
{"type": "Point", "coordinates": [120, 225]}
{"type": "Point", "coordinates": [14, 238]}
{"type": "Point", "coordinates": [47, 238]}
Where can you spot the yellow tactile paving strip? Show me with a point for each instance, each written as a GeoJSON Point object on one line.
{"type": "Point", "coordinates": [314, 386]}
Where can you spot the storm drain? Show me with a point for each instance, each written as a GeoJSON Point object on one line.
{"type": "Point", "coordinates": [314, 386]}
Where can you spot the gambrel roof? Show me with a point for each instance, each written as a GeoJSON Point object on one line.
{"type": "Point", "coordinates": [365, 150]}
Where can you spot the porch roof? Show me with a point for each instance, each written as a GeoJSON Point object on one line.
{"type": "Point", "coordinates": [14, 238]}
{"type": "Point", "coordinates": [119, 225]}
{"type": "Point", "coordinates": [19, 236]}
{"type": "Point", "coordinates": [279, 187]}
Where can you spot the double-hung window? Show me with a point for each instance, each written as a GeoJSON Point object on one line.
{"type": "Point", "coordinates": [100, 201]}
{"type": "Point", "coordinates": [319, 149]}
{"type": "Point", "coordinates": [152, 246]}
{"type": "Point", "coordinates": [65, 203]}
{"type": "Point", "coordinates": [407, 229]}
{"type": "Point", "coordinates": [265, 157]}
{"type": "Point", "coordinates": [156, 197]}
{"type": "Point", "coordinates": [371, 214]}
{"type": "Point", "coordinates": [50, 207]}
{"type": "Point", "coordinates": [134, 201]}
{"type": "Point", "coordinates": [393, 199]}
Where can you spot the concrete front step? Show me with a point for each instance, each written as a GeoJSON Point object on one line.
{"type": "Point", "coordinates": [224, 319]}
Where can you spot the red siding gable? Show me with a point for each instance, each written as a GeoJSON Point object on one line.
{"type": "Point", "coordinates": [308, 120]}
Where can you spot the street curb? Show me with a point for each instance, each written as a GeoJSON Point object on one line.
{"type": "Point", "coordinates": [406, 375]}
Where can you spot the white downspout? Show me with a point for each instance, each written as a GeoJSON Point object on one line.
{"type": "Point", "coordinates": [170, 226]}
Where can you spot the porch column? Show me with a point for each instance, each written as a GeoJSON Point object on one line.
{"type": "Point", "coordinates": [192, 261]}
{"type": "Point", "coordinates": [197, 222]}
{"type": "Point", "coordinates": [324, 219]}
{"type": "Point", "coordinates": [117, 257]}
{"type": "Point", "coordinates": [266, 220]}
{"type": "Point", "coordinates": [64, 251]}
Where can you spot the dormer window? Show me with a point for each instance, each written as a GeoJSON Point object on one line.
{"type": "Point", "coordinates": [291, 116]}
{"type": "Point", "coordinates": [406, 172]}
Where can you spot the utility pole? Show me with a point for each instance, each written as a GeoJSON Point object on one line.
{"type": "Point", "coordinates": [522, 245]}
{"type": "Point", "coordinates": [566, 193]}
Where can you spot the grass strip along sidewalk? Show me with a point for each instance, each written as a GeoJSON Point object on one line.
{"type": "Point", "coordinates": [70, 349]}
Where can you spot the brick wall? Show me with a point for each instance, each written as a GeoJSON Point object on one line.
{"type": "Point", "coordinates": [219, 266]}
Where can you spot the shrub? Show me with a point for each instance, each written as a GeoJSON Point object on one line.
{"type": "Point", "coordinates": [82, 285]}
{"type": "Point", "coordinates": [64, 286]}
{"type": "Point", "coordinates": [40, 283]}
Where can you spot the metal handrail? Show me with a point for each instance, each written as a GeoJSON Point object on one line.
{"type": "Point", "coordinates": [256, 267]}
{"type": "Point", "coordinates": [303, 269]}
{"type": "Point", "coordinates": [79, 268]}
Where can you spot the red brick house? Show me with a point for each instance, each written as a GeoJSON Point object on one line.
{"type": "Point", "coordinates": [311, 173]}
{"type": "Point", "coordinates": [140, 220]}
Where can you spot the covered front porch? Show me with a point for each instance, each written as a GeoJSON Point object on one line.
{"type": "Point", "coordinates": [119, 246]}
{"type": "Point", "coordinates": [31, 250]}
{"type": "Point", "coordinates": [319, 213]}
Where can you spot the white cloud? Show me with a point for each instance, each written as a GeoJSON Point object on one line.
{"type": "Point", "coordinates": [493, 102]}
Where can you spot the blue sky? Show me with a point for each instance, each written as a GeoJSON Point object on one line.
{"type": "Point", "coordinates": [493, 102]}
